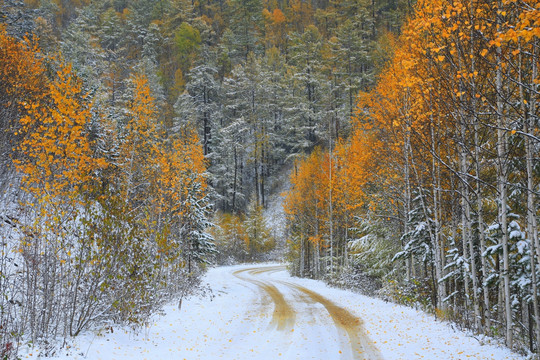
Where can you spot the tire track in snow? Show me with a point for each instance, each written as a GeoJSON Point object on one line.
{"type": "Point", "coordinates": [284, 316]}
{"type": "Point", "coordinates": [362, 347]}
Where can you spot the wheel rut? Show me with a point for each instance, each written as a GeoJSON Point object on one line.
{"type": "Point", "coordinates": [361, 345]}
{"type": "Point", "coordinates": [284, 316]}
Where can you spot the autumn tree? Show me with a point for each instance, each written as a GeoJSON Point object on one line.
{"type": "Point", "coordinates": [441, 107]}
{"type": "Point", "coordinates": [22, 79]}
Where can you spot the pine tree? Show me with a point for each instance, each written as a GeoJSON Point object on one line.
{"type": "Point", "coordinates": [246, 23]}
{"type": "Point", "coordinates": [205, 92]}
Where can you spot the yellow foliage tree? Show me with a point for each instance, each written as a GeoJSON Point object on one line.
{"type": "Point", "coordinates": [57, 157]}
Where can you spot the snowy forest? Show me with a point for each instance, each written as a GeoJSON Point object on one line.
{"type": "Point", "coordinates": [142, 141]}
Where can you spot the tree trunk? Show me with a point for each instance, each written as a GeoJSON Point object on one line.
{"type": "Point", "coordinates": [468, 246]}
{"type": "Point", "coordinates": [409, 262]}
{"type": "Point", "coordinates": [477, 161]}
{"type": "Point", "coordinates": [532, 228]}
{"type": "Point", "coordinates": [438, 247]}
{"type": "Point", "coordinates": [501, 179]}
{"type": "Point", "coordinates": [481, 234]}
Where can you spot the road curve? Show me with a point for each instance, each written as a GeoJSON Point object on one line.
{"type": "Point", "coordinates": [286, 310]}
{"type": "Point", "coordinates": [284, 316]}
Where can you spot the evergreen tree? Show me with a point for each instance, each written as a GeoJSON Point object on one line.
{"type": "Point", "coordinates": [205, 92]}
{"type": "Point", "coordinates": [306, 103]}
{"type": "Point", "coordinates": [246, 23]}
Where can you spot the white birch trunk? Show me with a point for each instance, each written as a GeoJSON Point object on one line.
{"type": "Point", "coordinates": [501, 179]}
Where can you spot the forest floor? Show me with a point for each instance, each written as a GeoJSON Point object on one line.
{"type": "Point", "coordinates": [260, 312]}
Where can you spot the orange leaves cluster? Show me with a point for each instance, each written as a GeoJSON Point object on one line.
{"type": "Point", "coordinates": [527, 24]}
{"type": "Point", "coordinates": [276, 27]}
{"type": "Point", "coordinates": [356, 165]}
{"type": "Point", "coordinates": [58, 159]}
{"type": "Point", "coordinates": [180, 170]}
{"type": "Point", "coordinates": [330, 188]}
{"type": "Point", "coordinates": [155, 169]}
{"type": "Point", "coordinates": [307, 181]}
{"type": "Point", "coordinates": [442, 81]}
{"type": "Point", "coordinates": [22, 72]}
{"type": "Point", "coordinates": [165, 173]}
{"type": "Point", "coordinates": [54, 152]}
{"type": "Point", "coordinates": [22, 83]}
{"type": "Point", "coordinates": [275, 17]}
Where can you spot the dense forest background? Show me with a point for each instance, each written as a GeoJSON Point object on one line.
{"type": "Point", "coordinates": [409, 128]}
{"type": "Point", "coordinates": [260, 81]}
{"type": "Point", "coordinates": [128, 126]}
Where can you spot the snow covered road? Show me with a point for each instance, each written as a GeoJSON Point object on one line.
{"type": "Point", "coordinates": [260, 312]}
{"type": "Point", "coordinates": [351, 335]}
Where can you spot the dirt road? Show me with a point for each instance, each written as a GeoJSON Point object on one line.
{"type": "Point", "coordinates": [297, 306]}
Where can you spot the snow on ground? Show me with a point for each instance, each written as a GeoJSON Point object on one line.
{"type": "Point", "coordinates": [246, 320]}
